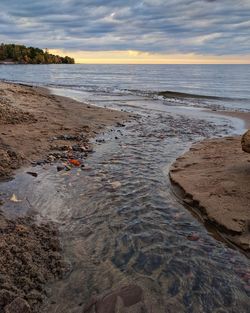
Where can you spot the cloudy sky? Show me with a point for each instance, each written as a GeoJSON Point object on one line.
{"type": "Point", "coordinates": [125, 31]}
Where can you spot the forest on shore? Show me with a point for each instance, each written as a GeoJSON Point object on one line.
{"type": "Point", "coordinates": [20, 54]}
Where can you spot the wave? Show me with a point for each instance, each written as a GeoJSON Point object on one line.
{"type": "Point", "coordinates": [182, 95]}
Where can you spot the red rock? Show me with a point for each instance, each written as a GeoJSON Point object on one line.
{"type": "Point", "coordinates": [75, 162]}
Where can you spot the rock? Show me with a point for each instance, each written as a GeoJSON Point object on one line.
{"type": "Point", "coordinates": [51, 158]}
{"type": "Point", "coordinates": [100, 140]}
{"type": "Point", "coordinates": [77, 148]}
{"type": "Point", "coordinates": [193, 237]}
{"type": "Point", "coordinates": [68, 168]}
{"type": "Point", "coordinates": [86, 168]}
{"type": "Point", "coordinates": [14, 198]}
{"type": "Point", "coordinates": [115, 184]}
{"type": "Point", "coordinates": [40, 162]}
{"type": "Point", "coordinates": [67, 137]}
{"type": "Point", "coordinates": [87, 148]}
{"type": "Point", "coordinates": [61, 155]}
{"type": "Point", "coordinates": [124, 297]}
{"type": "Point", "coordinates": [19, 305]}
{"type": "Point", "coordinates": [118, 124]}
{"type": "Point", "coordinates": [75, 162]}
{"type": "Point", "coordinates": [34, 174]}
{"type": "Point", "coordinates": [60, 168]}
{"type": "Point", "coordinates": [245, 142]}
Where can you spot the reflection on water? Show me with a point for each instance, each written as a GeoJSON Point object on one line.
{"type": "Point", "coordinates": [121, 225]}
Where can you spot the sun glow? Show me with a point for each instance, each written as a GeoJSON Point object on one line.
{"type": "Point", "coordinates": [141, 57]}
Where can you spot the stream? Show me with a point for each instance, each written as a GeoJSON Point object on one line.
{"type": "Point", "coordinates": [121, 224]}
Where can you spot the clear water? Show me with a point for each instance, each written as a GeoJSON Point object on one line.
{"type": "Point", "coordinates": [136, 232]}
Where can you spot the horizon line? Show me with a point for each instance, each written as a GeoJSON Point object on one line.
{"type": "Point", "coordinates": [82, 63]}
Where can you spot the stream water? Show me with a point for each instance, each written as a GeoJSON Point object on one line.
{"type": "Point", "coordinates": [121, 225]}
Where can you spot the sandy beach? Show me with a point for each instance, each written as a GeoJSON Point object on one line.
{"type": "Point", "coordinates": [31, 118]}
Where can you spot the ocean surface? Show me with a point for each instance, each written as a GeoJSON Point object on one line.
{"type": "Point", "coordinates": [209, 86]}
{"type": "Point", "coordinates": [138, 232]}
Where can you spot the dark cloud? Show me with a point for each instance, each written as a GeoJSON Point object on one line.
{"type": "Point", "coordinates": [184, 26]}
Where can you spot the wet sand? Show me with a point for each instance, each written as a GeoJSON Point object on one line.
{"type": "Point", "coordinates": [241, 115]}
{"type": "Point", "coordinates": [31, 118]}
{"type": "Point", "coordinates": [214, 178]}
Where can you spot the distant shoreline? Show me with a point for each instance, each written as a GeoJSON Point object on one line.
{"type": "Point", "coordinates": [17, 63]}
{"type": "Point", "coordinates": [7, 63]}
{"type": "Point", "coordinates": [21, 54]}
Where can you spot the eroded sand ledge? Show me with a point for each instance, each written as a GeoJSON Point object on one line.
{"type": "Point", "coordinates": [214, 178]}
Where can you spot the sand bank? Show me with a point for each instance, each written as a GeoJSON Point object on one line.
{"type": "Point", "coordinates": [31, 117]}
{"type": "Point", "coordinates": [214, 179]}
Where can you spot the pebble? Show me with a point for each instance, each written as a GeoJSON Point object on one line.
{"type": "Point", "coordinates": [34, 174]}
{"type": "Point", "coordinates": [100, 140]}
{"type": "Point", "coordinates": [60, 168]}
{"type": "Point", "coordinates": [51, 158]}
{"type": "Point", "coordinates": [40, 162]}
{"type": "Point", "coordinates": [193, 237]}
{"type": "Point", "coordinates": [118, 124]}
{"type": "Point", "coordinates": [116, 184]}
{"type": "Point", "coordinates": [77, 148]}
{"type": "Point", "coordinates": [68, 168]}
{"type": "Point", "coordinates": [67, 137]}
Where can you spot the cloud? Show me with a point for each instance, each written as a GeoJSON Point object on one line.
{"type": "Point", "coordinates": [154, 26]}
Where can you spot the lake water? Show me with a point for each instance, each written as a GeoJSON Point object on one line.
{"type": "Point", "coordinates": [230, 83]}
{"type": "Point", "coordinates": [138, 232]}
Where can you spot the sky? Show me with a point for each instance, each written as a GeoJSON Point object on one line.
{"type": "Point", "coordinates": [130, 31]}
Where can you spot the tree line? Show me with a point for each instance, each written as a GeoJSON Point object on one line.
{"type": "Point", "coordinates": [30, 55]}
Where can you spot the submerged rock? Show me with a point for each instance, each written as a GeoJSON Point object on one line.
{"type": "Point", "coordinates": [118, 300]}
{"type": "Point", "coordinates": [245, 142]}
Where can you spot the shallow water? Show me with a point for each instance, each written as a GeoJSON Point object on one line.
{"type": "Point", "coordinates": [120, 223]}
